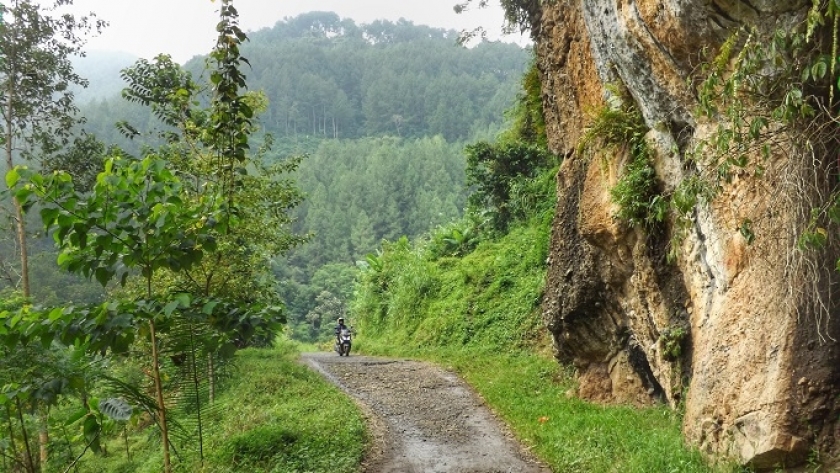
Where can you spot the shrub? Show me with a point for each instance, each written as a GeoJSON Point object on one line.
{"type": "Point", "coordinates": [494, 170]}
{"type": "Point", "coordinates": [637, 196]}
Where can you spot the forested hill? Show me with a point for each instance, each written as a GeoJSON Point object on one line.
{"type": "Point", "coordinates": [327, 77]}
{"type": "Point", "coordinates": [383, 111]}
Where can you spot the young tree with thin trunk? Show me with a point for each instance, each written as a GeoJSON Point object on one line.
{"type": "Point", "coordinates": [37, 112]}
{"type": "Point", "coordinates": [36, 73]}
{"type": "Point", "coordinates": [194, 219]}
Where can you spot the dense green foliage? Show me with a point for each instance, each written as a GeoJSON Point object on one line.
{"type": "Point", "coordinates": [327, 77]}
{"type": "Point", "coordinates": [457, 287]}
{"type": "Point", "coordinates": [489, 297]}
{"type": "Point", "coordinates": [189, 229]}
{"type": "Point", "coordinates": [496, 172]}
{"type": "Point", "coordinates": [500, 175]}
{"type": "Point", "coordinates": [363, 191]}
{"type": "Point", "coordinates": [359, 193]}
{"type": "Point", "coordinates": [378, 190]}
{"type": "Point", "coordinates": [468, 283]}
{"type": "Point", "coordinates": [381, 111]}
{"type": "Point", "coordinates": [294, 421]}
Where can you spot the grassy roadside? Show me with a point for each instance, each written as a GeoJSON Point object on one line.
{"type": "Point", "coordinates": [283, 417]}
{"type": "Point", "coordinates": [276, 416]}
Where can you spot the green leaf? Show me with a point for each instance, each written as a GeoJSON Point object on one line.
{"type": "Point", "coordinates": [183, 299]}
{"type": "Point", "coordinates": [23, 195]}
{"type": "Point", "coordinates": [91, 426]}
{"type": "Point", "coordinates": [12, 178]}
{"type": "Point", "coordinates": [116, 409]}
{"type": "Point", "coordinates": [103, 275]}
{"type": "Point", "coordinates": [56, 314]}
{"type": "Point", "coordinates": [170, 307]}
{"type": "Point", "coordinates": [75, 417]}
{"type": "Point", "coordinates": [48, 215]}
{"type": "Point", "coordinates": [208, 307]}
{"type": "Point", "coordinates": [63, 258]}
{"type": "Point", "coordinates": [819, 70]}
{"type": "Point", "coordinates": [757, 125]}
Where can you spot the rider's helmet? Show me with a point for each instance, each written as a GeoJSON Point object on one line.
{"type": "Point", "coordinates": [341, 320]}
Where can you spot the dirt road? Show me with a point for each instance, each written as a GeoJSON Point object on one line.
{"type": "Point", "coordinates": [425, 420]}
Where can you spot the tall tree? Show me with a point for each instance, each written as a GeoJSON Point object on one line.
{"type": "Point", "coordinates": [38, 113]}
{"type": "Point", "coordinates": [36, 45]}
{"type": "Point", "coordinates": [200, 197]}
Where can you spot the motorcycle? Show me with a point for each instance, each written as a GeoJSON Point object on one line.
{"type": "Point", "coordinates": [344, 341]}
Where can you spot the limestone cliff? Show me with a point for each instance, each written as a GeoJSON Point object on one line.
{"type": "Point", "coordinates": [758, 365]}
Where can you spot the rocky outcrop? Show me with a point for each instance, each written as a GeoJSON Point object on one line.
{"type": "Point", "coordinates": [741, 333]}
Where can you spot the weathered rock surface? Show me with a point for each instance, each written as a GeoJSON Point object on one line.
{"type": "Point", "coordinates": [759, 369]}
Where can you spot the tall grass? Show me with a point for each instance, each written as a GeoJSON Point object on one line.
{"type": "Point", "coordinates": [489, 297]}
{"type": "Point", "coordinates": [277, 416]}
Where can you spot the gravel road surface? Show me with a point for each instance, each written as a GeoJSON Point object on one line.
{"type": "Point", "coordinates": [423, 418]}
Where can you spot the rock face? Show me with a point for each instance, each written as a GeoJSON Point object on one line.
{"type": "Point", "coordinates": [754, 323]}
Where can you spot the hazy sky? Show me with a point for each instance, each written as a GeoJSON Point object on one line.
{"type": "Point", "coordinates": [184, 28]}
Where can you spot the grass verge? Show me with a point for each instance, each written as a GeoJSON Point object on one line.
{"type": "Point", "coordinates": [276, 416]}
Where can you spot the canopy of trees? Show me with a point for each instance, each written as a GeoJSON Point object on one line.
{"type": "Point", "coordinates": [328, 77]}
{"type": "Point", "coordinates": [361, 192]}
{"type": "Point", "coordinates": [383, 111]}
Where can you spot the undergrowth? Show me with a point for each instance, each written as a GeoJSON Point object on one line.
{"type": "Point", "coordinates": [277, 417]}
{"type": "Point", "coordinates": [490, 297]}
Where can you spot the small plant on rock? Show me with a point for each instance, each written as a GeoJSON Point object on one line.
{"type": "Point", "coordinates": [620, 125]}
{"type": "Point", "coordinates": [672, 342]}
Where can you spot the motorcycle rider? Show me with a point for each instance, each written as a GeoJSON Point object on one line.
{"type": "Point", "coordinates": [339, 328]}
